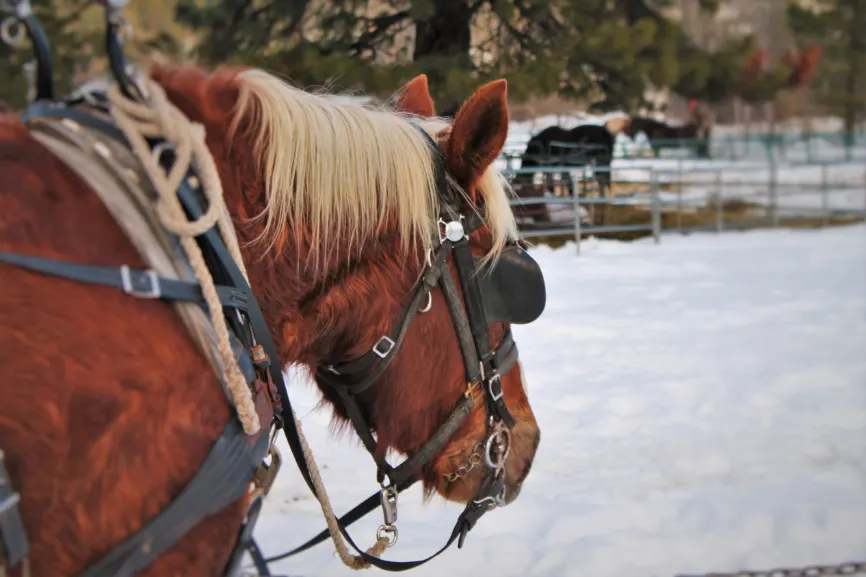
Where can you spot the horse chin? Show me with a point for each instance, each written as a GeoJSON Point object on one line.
{"type": "Point", "coordinates": [465, 489]}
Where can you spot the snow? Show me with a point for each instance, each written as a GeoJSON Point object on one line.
{"type": "Point", "coordinates": [702, 406]}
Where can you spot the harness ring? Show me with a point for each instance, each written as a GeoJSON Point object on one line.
{"type": "Point", "coordinates": [496, 455]}
{"type": "Point", "coordinates": [16, 39]}
{"type": "Point", "coordinates": [388, 532]}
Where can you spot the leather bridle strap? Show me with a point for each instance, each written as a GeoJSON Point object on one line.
{"type": "Point", "coordinates": [478, 325]}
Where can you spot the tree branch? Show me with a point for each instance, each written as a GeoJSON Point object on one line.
{"type": "Point", "coordinates": [380, 26]}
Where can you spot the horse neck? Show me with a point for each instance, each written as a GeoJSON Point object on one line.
{"type": "Point", "coordinates": [305, 303]}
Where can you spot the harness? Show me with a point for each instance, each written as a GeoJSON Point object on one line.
{"type": "Point", "coordinates": [510, 290]}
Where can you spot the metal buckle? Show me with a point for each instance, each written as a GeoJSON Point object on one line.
{"type": "Point", "coordinates": [152, 292]}
{"type": "Point", "coordinates": [265, 474]}
{"type": "Point", "coordinates": [495, 396]}
{"type": "Point", "coordinates": [382, 354]}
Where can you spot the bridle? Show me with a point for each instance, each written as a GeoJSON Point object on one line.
{"type": "Point", "coordinates": [234, 460]}
{"type": "Point", "coordinates": [483, 304]}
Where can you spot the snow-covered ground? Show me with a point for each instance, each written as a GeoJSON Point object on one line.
{"type": "Point", "coordinates": [702, 405]}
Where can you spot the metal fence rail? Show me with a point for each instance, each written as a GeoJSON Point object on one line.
{"type": "Point", "coordinates": [807, 146]}
{"type": "Point", "coordinates": [765, 190]}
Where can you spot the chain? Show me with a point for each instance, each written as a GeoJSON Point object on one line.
{"type": "Point", "coordinates": [460, 472]}
{"type": "Point", "coordinates": [848, 568]}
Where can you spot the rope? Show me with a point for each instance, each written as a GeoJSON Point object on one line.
{"type": "Point", "coordinates": [159, 118]}
{"type": "Point", "coordinates": [348, 559]}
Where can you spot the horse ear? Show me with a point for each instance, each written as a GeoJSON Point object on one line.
{"type": "Point", "coordinates": [478, 134]}
{"type": "Point", "coordinates": [415, 98]}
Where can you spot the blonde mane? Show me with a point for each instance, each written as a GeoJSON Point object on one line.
{"type": "Point", "coordinates": [345, 170]}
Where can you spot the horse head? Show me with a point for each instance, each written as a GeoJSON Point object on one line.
{"type": "Point", "coordinates": [341, 211]}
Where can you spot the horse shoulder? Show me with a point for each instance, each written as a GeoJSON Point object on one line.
{"type": "Point", "coordinates": [96, 456]}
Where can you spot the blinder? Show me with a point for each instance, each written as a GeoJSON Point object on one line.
{"type": "Point", "coordinates": [512, 287]}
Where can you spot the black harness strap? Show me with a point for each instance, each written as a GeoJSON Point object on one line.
{"type": "Point", "coordinates": [221, 480]}
{"type": "Point", "coordinates": [143, 284]}
{"type": "Point", "coordinates": [229, 467]}
{"type": "Point", "coordinates": [222, 266]}
{"type": "Point", "coordinates": [379, 353]}
{"type": "Point", "coordinates": [14, 547]}
{"type": "Point", "coordinates": [246, 543]}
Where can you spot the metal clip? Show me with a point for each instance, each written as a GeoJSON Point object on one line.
{"type": "Point", "coordinates": [388, 496]}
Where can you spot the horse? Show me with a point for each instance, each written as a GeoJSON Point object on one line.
{"type": "Point", "coordinates": [109, 405]}
{"type": "Point", "coordinates": [662, 135]}
{"type": "Point", "coordinates": [584, 145]}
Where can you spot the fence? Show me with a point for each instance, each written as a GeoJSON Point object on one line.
{"type": "Point", "coordinates": [682, 198]}
{"type": "Point", "coordinates": [810, 147]}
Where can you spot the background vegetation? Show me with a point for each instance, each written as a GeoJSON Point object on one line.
{"type": "Point", "coordinates": [601, 54]}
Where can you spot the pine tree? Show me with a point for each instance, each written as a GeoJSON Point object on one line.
{"type": "Point", "coordinates": [837, 26]}
{"type": "Point", "coordinates": [601, 51]}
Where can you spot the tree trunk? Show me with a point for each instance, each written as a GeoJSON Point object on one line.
{"type": "Point", "coordinates": [440, 39]}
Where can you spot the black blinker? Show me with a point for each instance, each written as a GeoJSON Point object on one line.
{"type": "Point", "coordinates": [513, 288]}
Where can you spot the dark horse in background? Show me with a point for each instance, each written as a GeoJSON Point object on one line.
{"type": "Point", "coordinates": [585, 145]}
{"type": "Point", "coordinates": [695, 134]}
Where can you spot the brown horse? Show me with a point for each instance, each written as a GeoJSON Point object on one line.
{"type": "Point", "coordinates": [108, 407]}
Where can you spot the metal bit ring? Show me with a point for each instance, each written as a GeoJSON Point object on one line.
{"type": "Point", "coordinates": [502, 436]}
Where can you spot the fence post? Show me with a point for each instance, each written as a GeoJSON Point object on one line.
{"type": "Point", "coordinates": [720, 203]}
{"type": "Point", "coordinates": [825, 201]}
{"type": "Point", "coordinates": [656, 205]}
{"type": "Point", "coordinates": [575, 193]}
{"type": "Point", "coordinates": [774, 194]}
{"type": "Point", "coordinates": [680, 195]}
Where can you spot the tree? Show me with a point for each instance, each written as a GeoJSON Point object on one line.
{"type": "Point", "coordinates": [601, 51]}
{"type": "Point", "coordinates": [837, 27]}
